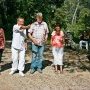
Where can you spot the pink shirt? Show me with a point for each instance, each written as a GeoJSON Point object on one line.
{"type": "Point", "coordinates": [57, 40]}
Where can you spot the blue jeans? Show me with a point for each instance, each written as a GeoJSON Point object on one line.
{"type": "Point", "coordinates": [37, 56]}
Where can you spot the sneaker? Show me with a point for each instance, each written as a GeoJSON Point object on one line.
{"type": "Point", "coordinates": [39, 70]}
{"type": "Point", "coordinates": [12, 72]}
{"type": "Point", "coordinates": [32, 71]}
{"type": "Point", "coordinates": [21, 74]}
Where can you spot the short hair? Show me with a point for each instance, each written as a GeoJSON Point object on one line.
{"type": "Point", "coordinates": [39, 14]}
{"type": "Point", "coordinates": [19, 18]}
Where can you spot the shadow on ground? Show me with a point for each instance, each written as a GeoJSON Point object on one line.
{"type": "Point", "coordinates": [45, 63]}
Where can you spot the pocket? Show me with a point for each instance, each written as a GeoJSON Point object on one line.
{"type": "Point", "coordinates": [34, 48]}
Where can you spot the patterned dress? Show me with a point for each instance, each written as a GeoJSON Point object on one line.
{"type": "Point", "coordinates": [2, 39]}
{"type": "Point", "coordinates": [2, 42]}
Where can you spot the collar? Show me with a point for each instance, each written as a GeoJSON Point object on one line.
{"type": "Point", "coordinates": [18, 25]}
{"type": "Point", "coordinates": [36, 23]}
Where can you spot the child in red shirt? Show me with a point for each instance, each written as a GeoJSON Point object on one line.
{"type": "Point", "coordinates": [57, 42]}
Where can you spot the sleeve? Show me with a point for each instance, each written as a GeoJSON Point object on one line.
{"type": "Point", "coordinates": [62, 33]}
{"type": "Point", "coordinates": [16, 28]}
{"type": "Point", "coordinates": [31, 29]}
{"type": "Point", "coordinates": [53, 33]}
{"type": "Point", "coordinates": [46, 28]}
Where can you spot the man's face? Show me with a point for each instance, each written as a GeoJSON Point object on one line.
{"type": "Point", "coordinates": [20, 22]}
{"type": "Point", "coordinates": [39, 19]}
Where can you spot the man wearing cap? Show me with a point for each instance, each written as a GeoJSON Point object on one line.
{"type": "Point", "coordinates": [38, 33]}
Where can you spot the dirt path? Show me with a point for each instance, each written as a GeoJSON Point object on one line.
{"type": "Point", "coordinates": [76, 74]}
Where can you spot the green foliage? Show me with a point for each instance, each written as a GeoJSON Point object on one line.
{"type": "Point", "coordinates": [73, 15]}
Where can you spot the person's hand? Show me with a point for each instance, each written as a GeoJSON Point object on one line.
{"type": "Point", "coordinates": [62, 41]}
{"type": "Point", "coordinates": [46, 39]}
{"type": "Point", "coordinates": [23, 27]}
{"type": "Point", "coordinates": [34, 41]}
{"type": "Point", "coordinates": [25, 46]}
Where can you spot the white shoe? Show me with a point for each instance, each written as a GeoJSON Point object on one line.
{"type": "Point", "coordinates": [12, 72]}
{"type": "Point", "coordinates": [21, 74]}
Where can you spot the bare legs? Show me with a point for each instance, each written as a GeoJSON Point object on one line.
{"type": "Point", "coordinates": [58, 68]}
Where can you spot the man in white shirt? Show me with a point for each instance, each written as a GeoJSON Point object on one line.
{"type": "Point", "coordinates": [38, 33]}
{"type": "Point", "coordinates": [18, 47]}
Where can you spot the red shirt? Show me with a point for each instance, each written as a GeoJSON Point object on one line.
{"type": "Point", "coordinates": [2, 39]}
{"type": "Point", "coordinates": [57, 40]}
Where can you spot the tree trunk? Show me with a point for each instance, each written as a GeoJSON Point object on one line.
{"type": "Point", "coordinates": [74, 15]}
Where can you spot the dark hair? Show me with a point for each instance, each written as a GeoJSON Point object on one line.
{"type": "Point", "coordinates": [58, 25]}
{"type": "Point", "coordinates": [1, 27]}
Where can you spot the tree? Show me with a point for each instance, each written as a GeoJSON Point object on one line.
{"type": "Point", "coordinates": [73, 15]}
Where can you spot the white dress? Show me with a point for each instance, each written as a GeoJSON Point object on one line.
{"type": "Point", "coordinates": [58, 55]}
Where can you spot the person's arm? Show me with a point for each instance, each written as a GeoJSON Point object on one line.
{"type": "Point", "coordinates": [32, 39]}
{"type": "Point", "coordinates": [25, 27]}
{"type": "Point", "coordinates": [63, 37]}
{"type": "Point", "coordinates": [47, 32]}
{"type": "Point", "coordinates": [16, 28]}
{"type": "Point", "coordinates": [63, 40]}
{"type": "Point", "coordinates": [4, 38]}
{"type": "Point", "coordinates": [46, 37]}
{"type": "Point", "coordinates": [30, 31]}
{"type": "Point", "coordinates": [51, 40]}
{"type": "Point", "coordinates": [52, 37]}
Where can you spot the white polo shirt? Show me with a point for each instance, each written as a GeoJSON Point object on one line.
{"type": "Point", "coordinates": [18, 37]}
{"type": "Point", "coordinates": [39, 32]}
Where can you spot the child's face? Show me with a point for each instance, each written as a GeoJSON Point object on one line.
{"type": "Point", "coordinates": [57, 30]}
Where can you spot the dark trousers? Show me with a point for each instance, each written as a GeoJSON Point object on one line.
{"type": "Point", "coordinates": [1, 52]}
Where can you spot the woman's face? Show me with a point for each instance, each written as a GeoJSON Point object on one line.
{"type": "Point", "coordinates": [57, 30]}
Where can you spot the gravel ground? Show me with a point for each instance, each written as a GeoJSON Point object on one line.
{"type": "Point", "coordinates": [76, 74]}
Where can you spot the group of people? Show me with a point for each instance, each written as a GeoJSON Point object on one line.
{"type": "Point", "coordinates": [38, 35]}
